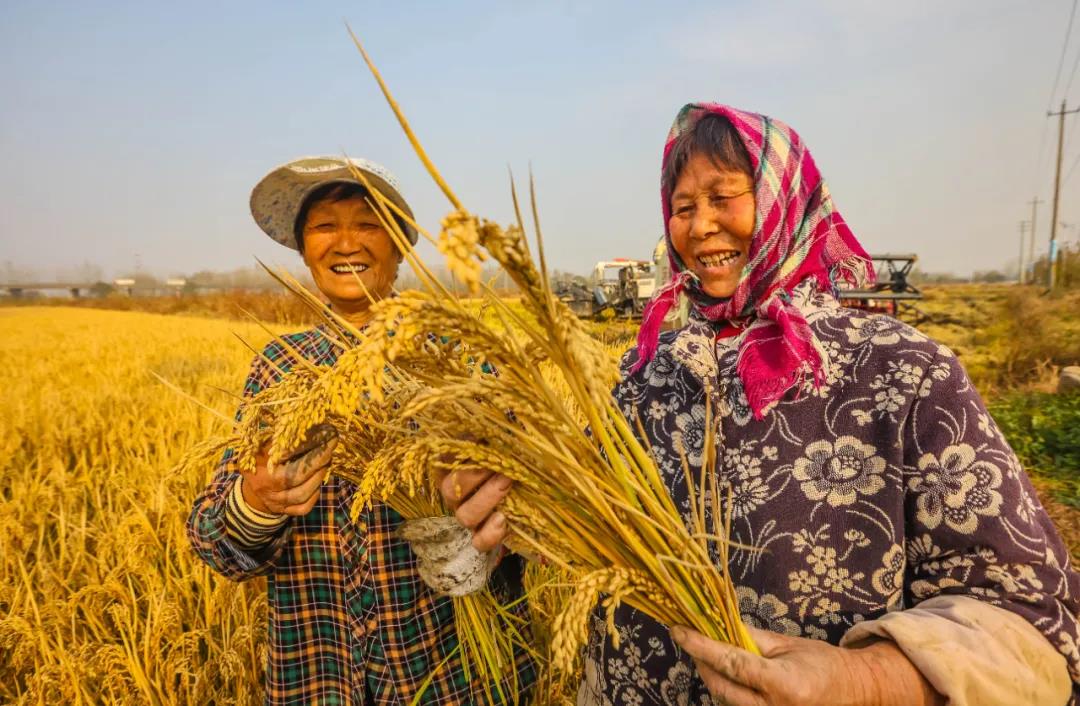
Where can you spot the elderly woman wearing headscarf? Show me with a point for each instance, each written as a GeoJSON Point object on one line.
{"type": "Point", "coordinates": [886, 545]}
{"type": "Point", "coordinates": [888, 548]}
{"type": "Point", "coordinates": [350, 621]}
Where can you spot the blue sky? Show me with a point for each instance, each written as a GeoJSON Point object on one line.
{"type": "Point", "coordinates": [137, 129]}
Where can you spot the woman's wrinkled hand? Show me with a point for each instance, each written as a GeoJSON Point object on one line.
{"type": "Point", "coordinates": [473, 496]}
{"type": "Point", "coordinates": [292, 487]}
{"type": "Point", "coordinates": [798, 671]}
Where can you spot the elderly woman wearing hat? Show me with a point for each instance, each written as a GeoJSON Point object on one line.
{"type": "Point", "coordinates": [350, 621]}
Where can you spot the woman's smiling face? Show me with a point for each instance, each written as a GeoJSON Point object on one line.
{"type": "Point", "coordinates": [348, 251]}
{"type": "Point", "coordinates": [712, 222]}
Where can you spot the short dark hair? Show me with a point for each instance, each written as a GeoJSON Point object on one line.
{"type": "Point", "coordinates": [713, 136]}
{"type": "Point", "coordinates": [332, 192]}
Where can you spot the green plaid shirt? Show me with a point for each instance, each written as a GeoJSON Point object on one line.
{"type": "Point", "coordinates": [350, 621]}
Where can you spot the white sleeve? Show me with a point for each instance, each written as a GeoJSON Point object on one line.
{"type": "Point", "coordinates": [973, 653]}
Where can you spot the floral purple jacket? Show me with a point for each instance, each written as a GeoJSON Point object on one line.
{"type": "Point", "coordinates": [887, 485]}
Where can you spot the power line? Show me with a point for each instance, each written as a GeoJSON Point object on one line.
{"type": "Point", "coordinates": [1061, 61]}
{"type": "Point", "coordinates": [1072, 74]}
{"type": "Point", "coordinates": [1072, 168]}
{"type": "Point", "coordinates": [1052, 259]}
{"type": "Point", "coordinates": [1068, 141]}
{"type": "Point", "coordinates": [1072, 130]}
{"type": "Point", "coordinates": [1053, 92]}
{"type": "Point", "coordinates": [1039, 158]}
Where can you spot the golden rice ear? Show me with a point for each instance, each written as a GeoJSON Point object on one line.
{"type": "Point", "coordinates": [595, 489]}
{"type": "Point", "coordinates": [417, 147]}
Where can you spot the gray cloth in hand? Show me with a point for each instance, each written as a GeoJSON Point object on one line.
{"type": "Point", "coordinates": [446, 559]}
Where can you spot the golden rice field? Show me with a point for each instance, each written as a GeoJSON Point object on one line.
{"type": "Point", "coordinates": [101, 599]}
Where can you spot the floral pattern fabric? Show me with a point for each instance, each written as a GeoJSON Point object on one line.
{"type": "Point", "coordinates": [885, 486]}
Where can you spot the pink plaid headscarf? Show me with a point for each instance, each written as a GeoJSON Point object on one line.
{"type": "Point", "coordinates": [798, 235]}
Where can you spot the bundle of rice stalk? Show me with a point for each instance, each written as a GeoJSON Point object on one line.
{"type": "Point", "coordinates": [549, 589]}
{"type": "Point", "coordinates": [587, 498]}
{"type": "Point", "coordinates": [412, 399]}
{"type": "Point", "coordinates": [491, 628]}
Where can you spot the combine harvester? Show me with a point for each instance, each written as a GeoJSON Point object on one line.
{"type": "Point", "coordinates": [620, 288]}
{"type": "Point", "coordinates": [616, 288]}
{"type": "Point", "coordinates": [893, 293]}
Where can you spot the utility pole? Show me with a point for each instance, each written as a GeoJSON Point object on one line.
{"type": "Point", "coordinates": [1035, 201]}
{"type": "Point", "coordinates": [1063, 256]}
{"type": "Point", "coordinates": [1052, 262]}
{"type": "Point", "coordinates": [1020, 266]}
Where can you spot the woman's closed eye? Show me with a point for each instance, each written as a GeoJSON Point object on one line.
{"type": "Point", "coordinates": [718, 201]}
{"type": "Point", "coordinates": [722, 199]}
{"type": "Point", "coordinates": [330, 227]}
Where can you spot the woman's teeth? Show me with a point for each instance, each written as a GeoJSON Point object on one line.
{"type": "Point", "coordinates": [718, 259]}
{"type": "Point", "coordinates": [346, 269]}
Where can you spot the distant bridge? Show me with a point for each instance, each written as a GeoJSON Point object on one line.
{"type": "Point", "coordinates": [127, 286]}
{"type": "Point", "coordinates": [18, 289]}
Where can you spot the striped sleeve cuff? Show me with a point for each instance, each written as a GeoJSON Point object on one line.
{"type": "Point", "coordinates": [250, 529]}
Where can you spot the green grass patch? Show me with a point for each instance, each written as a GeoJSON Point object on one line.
{"type": "Point", "coordinates": [1044, 430]}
